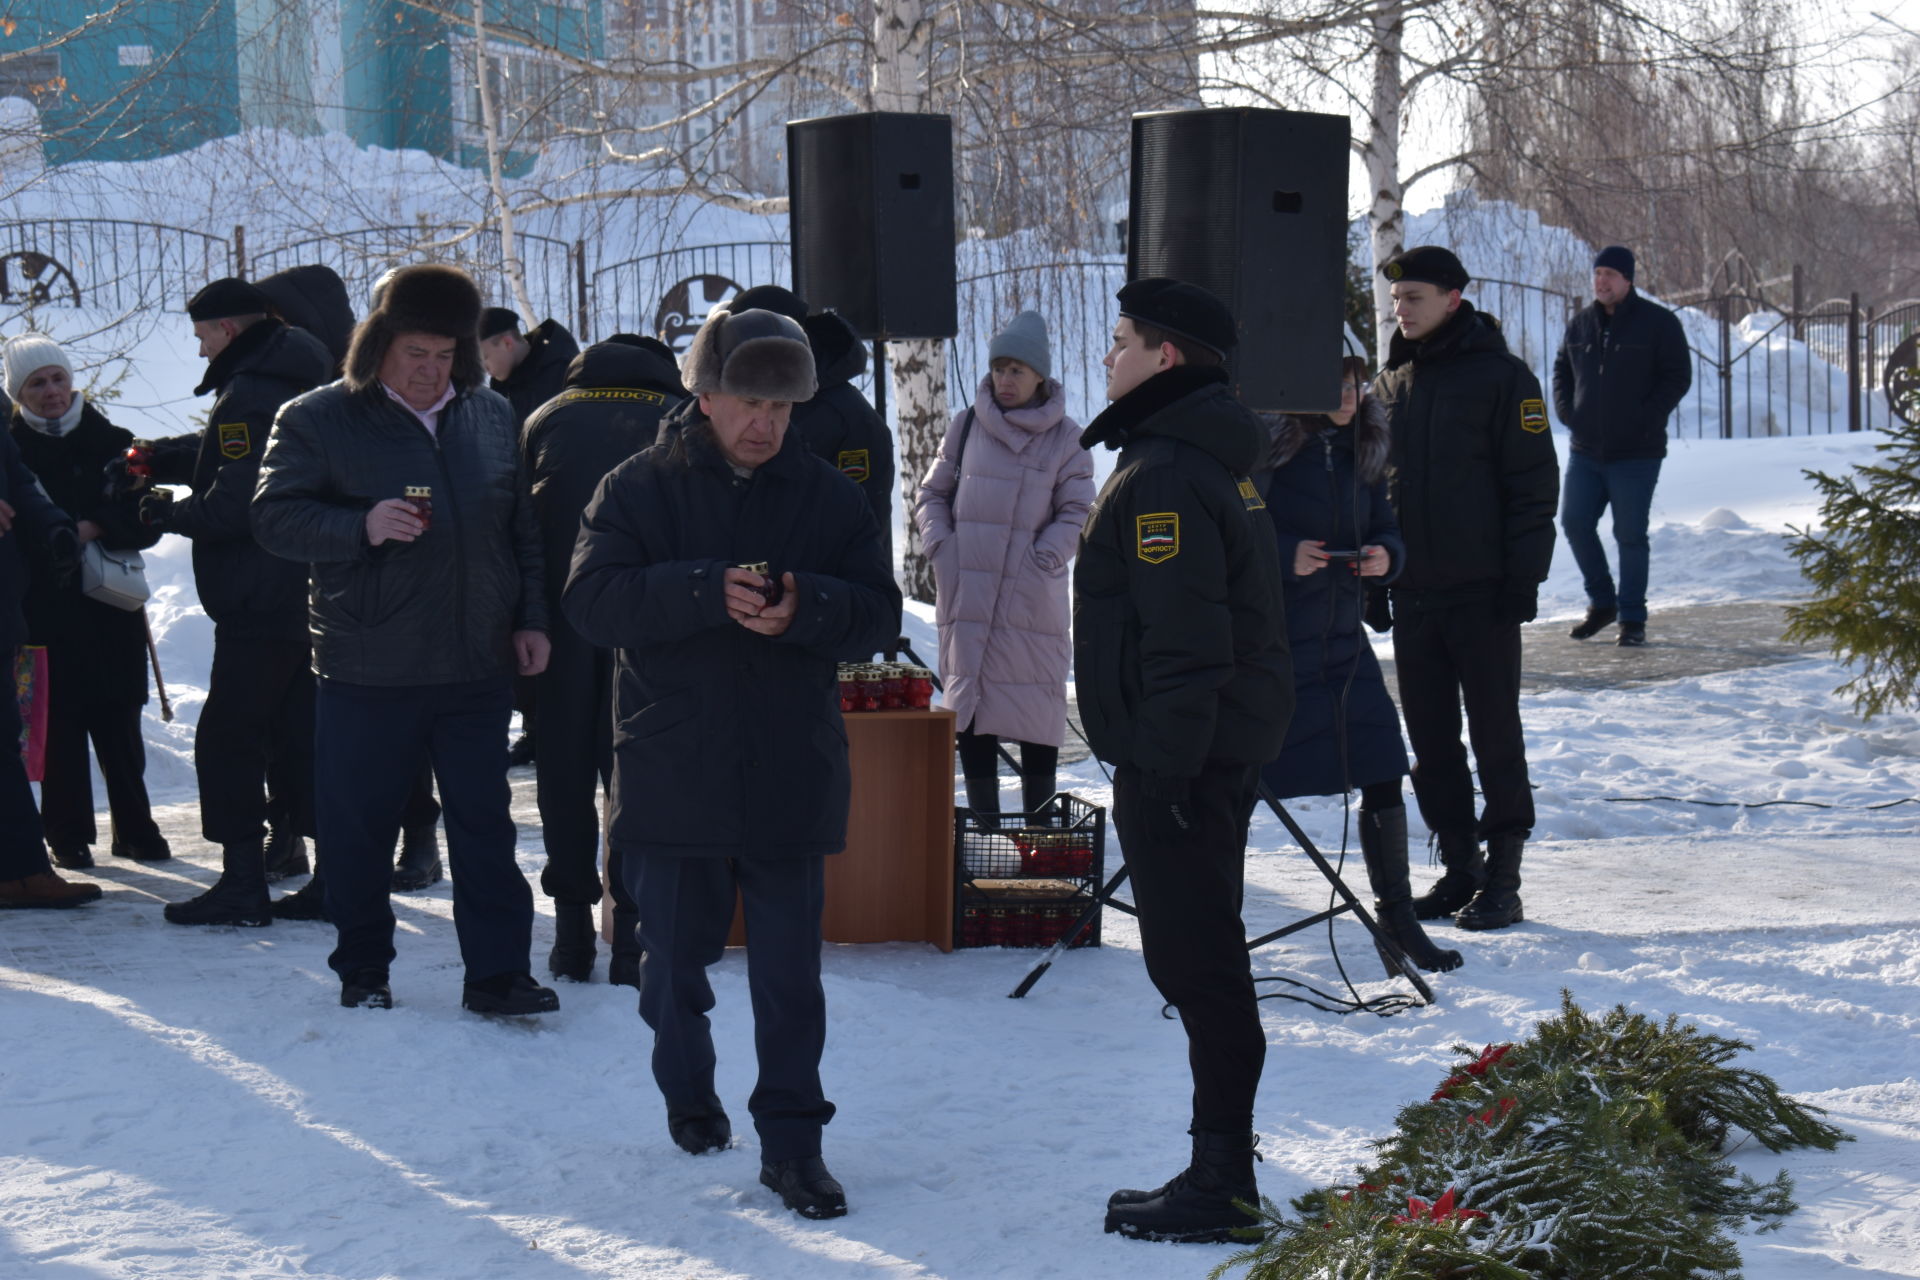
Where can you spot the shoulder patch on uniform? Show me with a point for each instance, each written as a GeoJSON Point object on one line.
{"type": "Point", "coordinates": [1250, 494]}
{"type": "Point", "coordinates": [853, 465]}
{"type": "Point", "coordinates": [235, 441]}
{"type": "Point", "coordinates": [1157, 536]}
{"type": "Point", "coordinates": [1533, 416]}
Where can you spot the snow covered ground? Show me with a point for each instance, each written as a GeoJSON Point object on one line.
{"type": "Point", "coordinates": [193, 1104]}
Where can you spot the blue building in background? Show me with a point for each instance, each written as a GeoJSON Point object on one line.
{"type": "Point", "coordinates": [163, 76]}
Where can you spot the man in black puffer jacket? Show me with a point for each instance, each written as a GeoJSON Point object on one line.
{"type": "Point", "coordinates": [617, 392]}
{"type": "Point", "coordinates": [401, 485]}
{"type": "Point", "coordinates": [255, 735]}
{"type": "Point", "coordinates": [1474, 482]}
{"type": "Point", "coordinates": [838, 424]}
{"type": "Point", "coordinates": [1180, 660]}
{"type": "Point", "coordinates": [1622, 369]}
{"type": "Point", "coordinates": [731, 769]}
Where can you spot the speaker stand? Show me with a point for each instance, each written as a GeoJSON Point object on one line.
{"type": "Point", "coordinates": [1105, 897]}
{"type": "Point", "coordinates": [880, 378]}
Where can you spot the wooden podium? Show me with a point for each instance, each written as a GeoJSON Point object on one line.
{"type": "Point", "coordinates": [895, 882]}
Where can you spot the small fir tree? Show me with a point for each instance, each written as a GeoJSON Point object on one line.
{"type": "Point", "coordinates": [1863, 563]}
{"type": "Point", "coordinates": [1590, 1151]}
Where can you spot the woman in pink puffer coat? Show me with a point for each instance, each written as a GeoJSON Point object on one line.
{"type": "Point", "coordinates": [999, 514]}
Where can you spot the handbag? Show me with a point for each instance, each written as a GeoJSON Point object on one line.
{"type": "Point", "coordinates": [118, 578]}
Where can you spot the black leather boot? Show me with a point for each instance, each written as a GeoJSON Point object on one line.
{"type": "Point", "coordinates": [308, 902]}
{"type": "Point", "coordinates": [1197, 1206]}
{"type": "Point", "coordinates": [1497, 905]}
{"type": "Point", "coordinates": [1035, 792]}
{"type": "Point", "coordinates": [983, 798]}
{"type": "Point", "coordinates": [623, 965]}
{"type": "Point", "coordinates": [700, 1126]}
{"type": "Point", "coordinates": [1466, 872]}
{"type": "Point", "coordinates": [238, 897]}
{"type": "Point", "coordinates": [1383, 843]}
{"type": "Point", "coordinates": [1599, 618]}
{"type": "Point", "coordinates": [419, 864]}
{"type": "Point", "coordinates": [286, 854]}
{"type": "Point", "coordinates": [508, 995]}
{"type": "Point", "coordinates": [572, 954]}
{"type": "Point", "coordinates": [805, 1186]}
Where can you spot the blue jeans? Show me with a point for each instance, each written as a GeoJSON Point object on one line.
{"type": "Point", "coordinates": [1587, 489]}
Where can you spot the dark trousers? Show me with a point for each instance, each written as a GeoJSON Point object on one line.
{"type": "Point", "coordinates": [369, 743]}
{"type": "Point", "coordinates": [422, 810]}
{"type": "Point", "coordinates": [23, 852]}
{"type": "Point", "coordinates": [980, 758]}
{"type": "Point", "coordinates": [255, 738]}
{"type": "Point", "coordinates": [1588, 489]}
{"type": "Point", "coordinates": [66, 792]}
{"type": "Point", "coordinates": [1446, 657]}
{"type": "Point", "coordinates": [686, 909]}
{"type": "Point", "coordinates": [1187, 887]}
{"type": "Point", "coordinates": [574, 767]}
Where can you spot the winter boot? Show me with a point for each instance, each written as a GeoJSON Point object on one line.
{"type": "Point", "coordinates": [1497, 905]}
{"type": "Point", "coordinates": [1383, 843]}
{"type": "Point", "coordinates": [419, 864]}
{"type": "Point", "coordinates": [572, 954]}
{"type": "Point", "coordinates": [153, 848]}
{"type": "Point", "coordinates": [805, 1186]}
{"type": "Point", "coordinates": [365, 989]}
{"type": "Point", "coordinates": [623, 966]}
{"type": "Point", "coordinates": [45, 889]}
{"type": "Point", "coordinates": [238, 897]}
{"type": "Point", "coordinates": [1466, 872]}
{"type": "Point", "coordinates": [1633, 635]}
{"type": "Point", "coordinates": [700, 1127]}
{"type": "Point", "coordinates": [308, 902]}
{"type": "Point", "coordinates": [286, 854]}
{"type": "Point", "coordinates": [508, 995]}
{"type": "Point", "coordinates": [1035, 792]}
{"type": "Point", "coordinates": [1598, 618]}
{"type": "Point", "coordinates": [983, 798]}
{"type": "Point", "coordinates": [1198, 1205]}
{"type": "Point", "coordinates": [71, 857]}
{"type": "Point", "coordinates": [521, 752]}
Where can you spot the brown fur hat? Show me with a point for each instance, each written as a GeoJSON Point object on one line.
{"type": "Point", "coordinates": [427, 297]}
{"type": "Point", "coordinates": [755, 354]}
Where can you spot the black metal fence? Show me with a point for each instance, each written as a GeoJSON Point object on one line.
{"type": "Point", "coordinates": [1760, 368]}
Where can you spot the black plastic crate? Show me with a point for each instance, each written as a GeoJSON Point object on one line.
{"type": "Point", "coordinates": [1024, 878]}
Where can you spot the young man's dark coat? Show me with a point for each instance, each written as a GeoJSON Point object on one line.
{"type": "Point", "coordinates": [23, 556]}
{"type": "Point", "coordinates": [1319, 494]}
{"type": "Point", "coordinates": [542, 374]}
{"type": "Point", "coordinates": [1618, 378]}
{"type": "Point", "coordinates": [1180, 652]}
{"type": "Point", "coordinates": [104, 648]}
{"type": "Point", "coordinates": [615, 397]}
{"type": "Point", "coordinates": [729, 743]}
{"type": "Point", "coordinates": [441, 609]}
{"type": "Point", "coordinates": [244, 589]}
{"type": "Point", "coordinates": [1474, 479]}
{"type": "Point", "coordinates": [838, 424]}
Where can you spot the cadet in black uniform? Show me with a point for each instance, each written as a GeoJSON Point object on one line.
{"type": "Point", "coordinates": [1180, 660]}
{"type": "Point", "coordinates": [1475, 483]}
{"type": "Point", "coordinates": [258, 719]}
{"type": "Point", "coordinates": [616, 393]}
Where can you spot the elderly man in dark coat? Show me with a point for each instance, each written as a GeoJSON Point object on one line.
{"type": "Point", "coordinates": [617, 391]}
{"type": "Point", "coordinates": [401, 486]}
{"type": "Point", "coordinates": [730, 764]}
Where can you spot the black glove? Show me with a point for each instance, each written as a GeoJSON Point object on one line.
{"type": "Point", "coordinates": [63, 554]}
{"type": "Point", "coordinates": [129, 471]}
{"type": "Point", "coordinates": [1516, 605]}
{"type": "Point", "coordinates": [1379, 610]}
{"type": "Point", "coordinates": [1169, 806]}
{"type": "Point", "coordinates": [156, 508]}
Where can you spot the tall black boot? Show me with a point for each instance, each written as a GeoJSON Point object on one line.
{"type": "Point", "coordinates": [286, 853]}
{"type": "Point", "coordinates": [419, 864]}
{"type": "Point", "coordinates": [308, 902]}
{"type": "Point", "coordinates": [1466, 872]}
{"type": "Point", "coordinates": [1036, 791]}
{"type": "Point", "coordinates": [1383, 843]}
{"type": "Point", "coordinates": [623, 966]}
{"type": "Point", "coordinates": [572, 954]}
{"type": "Point", "coordinates": [238, 897]}
{"type": "Point", "coordinates": [1197, 1205]}
{"type": "Point", "coordinates": [1497, 905]}
{"type": "Point", "coordinates": [983, 797]}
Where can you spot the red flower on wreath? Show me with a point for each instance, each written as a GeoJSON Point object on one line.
{"type": "Point", "coordinates": [1495, 1112]}
{"type": "Point", "coordinates": [1441, 1210]}
{"type": "Point", "coordinates": [1488, 1058]}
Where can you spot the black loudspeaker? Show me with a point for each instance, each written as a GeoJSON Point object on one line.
{"type": "Point", "coordinates": [871, 217]}
{"type": "Point", "coordinates": [1251, 205]}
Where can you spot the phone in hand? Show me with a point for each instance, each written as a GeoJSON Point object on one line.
{"type": "Point", "coordinates": [1343, 555]}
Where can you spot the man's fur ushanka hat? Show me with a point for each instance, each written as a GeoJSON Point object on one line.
{"type": "Point", "coordinates": [427, 297]}
{"type": "Point", "coordinates": [754, 354]}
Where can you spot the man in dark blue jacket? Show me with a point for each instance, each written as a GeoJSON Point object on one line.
{"type": "Point", "coordinates": [1622, 369]}
{"type": "Point", "coordinates": [730, 758]}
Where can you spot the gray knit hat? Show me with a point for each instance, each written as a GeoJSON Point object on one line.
{"type": "Point", "coordinates": [1024, 339]}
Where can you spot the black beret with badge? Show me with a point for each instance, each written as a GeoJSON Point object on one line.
{"type": "Point", "coordinates": [1180, 308]}
{"type": "Point", "coordinates": [226, 298]}
{"type": "Point", "coordinates": [1426, 264]}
